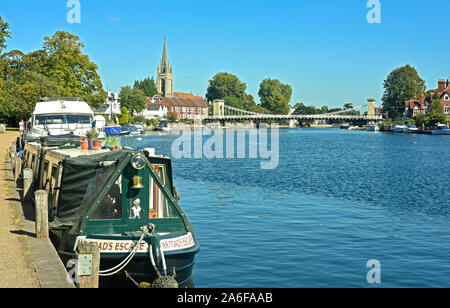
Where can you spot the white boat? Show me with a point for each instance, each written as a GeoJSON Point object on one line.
{"type": "Point", "coordinates": [399, 127]}
{"type": "Point", "coordinates": [60, 116]}
{"type": "Point", "coordinates": [411, 129]}
{"type": "Point", "coordinates": [372, 127]}
{"type": "Point", "coordinates": [441, 130]}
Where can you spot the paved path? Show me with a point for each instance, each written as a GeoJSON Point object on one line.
{"type": "Point", "coordinates": [16, 264]}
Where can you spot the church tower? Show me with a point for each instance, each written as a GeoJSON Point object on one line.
{"type": "Point", "coordinates": [164, 80]}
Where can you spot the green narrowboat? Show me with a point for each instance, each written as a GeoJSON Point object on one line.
{"type": "Point", "coordinates": [124, 201]}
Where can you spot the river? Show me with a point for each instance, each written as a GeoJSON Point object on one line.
{"type": "Point", "coordinates": [337, 199]}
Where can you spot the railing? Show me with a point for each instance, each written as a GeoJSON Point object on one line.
{"type": "Point", "coordinates": [249, 115]}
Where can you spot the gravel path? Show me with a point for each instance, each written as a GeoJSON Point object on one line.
{"type": "Point", "coordinates": [16, 266]}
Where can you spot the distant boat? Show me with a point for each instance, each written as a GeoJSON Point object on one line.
{"type": "Point", "coordinates": [441, 130]}
{"type": "Point", "coordinates": [372, 127]}
{"type": "Point", "coordinates": [163, 127]}
{"type": "Point", "coordinates": [115, 131]}
{"type": "Point", "coordinates": [60, 116]}
{"type": "Point", "coordinates": [399, 127]}
{"type": "Point", "coordinates": [410, 129]}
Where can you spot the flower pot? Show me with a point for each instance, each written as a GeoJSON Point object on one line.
{"type": "Point", "coordinates": [84, 145]}
{"type": "Point", "coordinates": [119, 147]}
{"type": "Point", "coordinates": [97, 145]}
{"type": "Point", "coordinates": [91, 144]}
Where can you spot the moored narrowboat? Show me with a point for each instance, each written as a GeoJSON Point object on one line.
{"type": "Point", "coordinates": [124, 202]}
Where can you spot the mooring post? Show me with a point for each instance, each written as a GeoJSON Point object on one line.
{"type": "Point", "coordinates": [12, 156]}
{"type": "Point", "coordinates": [27, 182]}
{"type": "Point", "coordinates": [17, 168]}
{"type": "Point", "coordinates": [41, 211]}
{"type": "Point", "coordinates": [88, 266]}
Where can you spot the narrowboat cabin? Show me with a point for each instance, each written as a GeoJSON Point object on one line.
{"type": "Point", "coordinates": [123, 201]}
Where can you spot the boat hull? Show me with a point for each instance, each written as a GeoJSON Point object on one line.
{"type": "Point", "coordinates": [141, 268]}
{"type": "Point", "coordinates": [441, 132]}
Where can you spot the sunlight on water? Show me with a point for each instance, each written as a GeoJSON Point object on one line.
{"type": "Point", "coordinates": [337, 199]}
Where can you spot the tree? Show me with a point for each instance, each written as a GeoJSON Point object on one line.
{"type": "Point", "coordinates": [4, 34]}
{"type": "Point", "coordinates": [275, 96]}
{"type": "Point", "coordinates": [436, 113]}
{"type": "Point", "coordinates": [348, 106]}
{"type": "Point", "coordinates": [234, 102]}
{"type": "Point", "coordinates": [172, 116]}
{"type": "Point", "coordinates": [72, 70]}
{"type": "Point", "coordinates": [301, 109]}
{"type": "Point", "coordinates": [133, 99]}
{"type": "Point", "coordinates": [147, 85]}
{"type": "Point", "coordinates": [124, 116]}
{"type": "Point", "coordinates": [401, 85]}
{"type": "Point", "coordinates": [225, 84]}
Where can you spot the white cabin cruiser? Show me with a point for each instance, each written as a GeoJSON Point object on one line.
{"type": "Point", "coordinates": [60, 116]}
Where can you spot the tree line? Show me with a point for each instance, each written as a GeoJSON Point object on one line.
{"type": "Point", "coordinates": [59, 68]}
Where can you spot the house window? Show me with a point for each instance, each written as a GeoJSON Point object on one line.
{"type": "Point", "coordinates": [447, 109]}
{"type": "Point", "coordinates": [446, 97]}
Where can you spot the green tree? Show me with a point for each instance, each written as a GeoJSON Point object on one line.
{"type": "Point", "coordinates": [124, 116]}
{"type": "Point", "coordinates": [133, 99]}
{"type": "Point", "coordinates": [72, 70]}
{"type": "Point", "coordinates": [348, 106]}
{"type": "Point", "coordinates": [4, 35]}
{"type": "Point", "coordinates": [401, 85]}
{"type": "Point", "coordinates": [172, 116]}
{"type": "Point", "coordinates": [301, 109]}
{"type": "Point", "coordinates": [234, 102]}
{"type": "Point", "coordinates": [275, 96]}
{"type": "Point", "coordinates": [436, 114]}
{"type": "Point", "coordinates": [225, 84]}
{"type": "Point", "coordinates": [147, 85]}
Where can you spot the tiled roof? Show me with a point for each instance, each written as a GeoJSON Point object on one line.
{"type": "Point", "coordinates": [180, 100]}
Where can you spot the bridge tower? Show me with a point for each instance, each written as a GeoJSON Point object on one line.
{"type": "Point", "coordinates": [218, 108]}
{"type": "Point", "coordinates": [371, 107]}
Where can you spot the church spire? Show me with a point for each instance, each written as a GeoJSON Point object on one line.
{"type": "Point", "coordinates": [164, 80]}
{"type": "Point", "coordinates": [164, 58]}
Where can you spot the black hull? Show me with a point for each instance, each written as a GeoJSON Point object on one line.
{"type": "Point", "coordinates": [141, 268]}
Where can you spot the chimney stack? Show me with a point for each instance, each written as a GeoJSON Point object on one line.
{"type": "Point", "coordinates": [441, 85]}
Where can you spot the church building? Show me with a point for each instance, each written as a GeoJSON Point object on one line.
{"type": "Point", "coordinates": [186, 105]}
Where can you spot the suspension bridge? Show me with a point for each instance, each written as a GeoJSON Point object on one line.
{"type": "Point", "coordinates": [223, 113]}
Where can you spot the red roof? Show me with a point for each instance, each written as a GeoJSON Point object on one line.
{"type": "Point", "coordinates": [180, 100]}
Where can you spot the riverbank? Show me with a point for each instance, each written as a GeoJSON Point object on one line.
{"type": "Point", "coordinates": [16, 265]}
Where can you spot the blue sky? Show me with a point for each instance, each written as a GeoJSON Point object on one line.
{"type": "Point", "coordinates": [325, 49]}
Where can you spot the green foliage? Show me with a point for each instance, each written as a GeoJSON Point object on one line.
{"type": "Point", "coordinates": [401, 85]}
{"type": "Point", "coordinates": [133, 99]}
{"type": "Point", "coordinates": [301, 109]}
{"type": "Point", "coordinates": [72, 70]}
{"type": "Point", "coordinates": [93, 133]}
{"type": "Point", "coordinates": [275, 96]}
{"type": "Point", "coordinates": [223, 85]}
{"type": "Point", "coordinates": [124, 116]}
{"type": "Point", "coordinates": [111, 141]}
{"type": "Point", "coordinates": [172, 116]}
{"type": "Point", "coordinates": [234, 102]}
{"type": "Point", "coordinates": [59, 69]}
{"type": "Point", "coordinates": [4, 34]}
{"type": "Point", "coordinates": [147, 85]}
{"type": "Point", "coordinates": [348, 106]}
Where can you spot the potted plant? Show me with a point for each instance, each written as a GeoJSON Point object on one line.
{"type": "Point", "coordinates": [112, 142]}
{"type": "Point", "coordinates": [84, 144]}
{"type": "Point", "coordinates": [92, 135]}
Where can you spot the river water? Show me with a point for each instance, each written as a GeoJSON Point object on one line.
{"type": "Point", "coordinates": [337, 199]}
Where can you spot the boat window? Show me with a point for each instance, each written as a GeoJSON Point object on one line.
{"type": "Point", "coordinates": [111, 207]}
{"type": "Point", "coordinates": [63, 119]}
{"type": "Point", "coordinates": [158, 205]}
{"type": "Point", "coordinates": [79, 118]}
